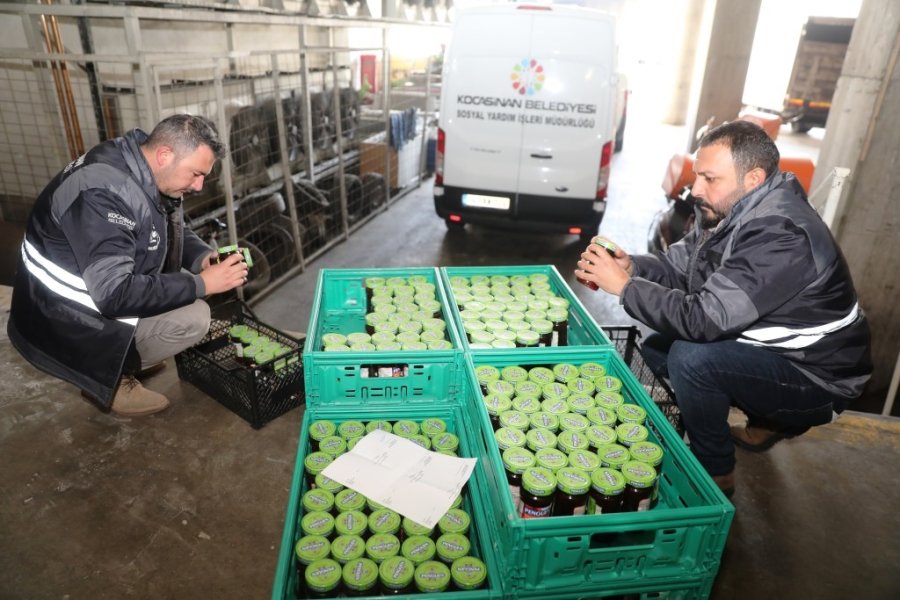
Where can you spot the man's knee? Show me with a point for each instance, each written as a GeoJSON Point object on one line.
{"type": "Point", "coordinates": [197, 323]}
{"type": "Point", "coordinates": [690, 358]}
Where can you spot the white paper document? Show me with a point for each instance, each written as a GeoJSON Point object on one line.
{"type": "Point", "coordinates": [403, 476]}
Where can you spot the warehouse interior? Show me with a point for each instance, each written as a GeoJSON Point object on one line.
{"type": "Point", "coordinates": [192, 502]}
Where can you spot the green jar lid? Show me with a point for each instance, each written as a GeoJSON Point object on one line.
{"type": "Point", "coordinates": [330, 485]}
{"type": "Point", "coordinates": [383, 338]}
{"type": "Point", "coordinates": [480, 280]}
{"type": "Point", "coordinates": [518, 327]}
{"type": "Point", "coordinates": [348, 499]}
{"type": "Point", "coordinates": [502, 344]}
{"type": "Point", "coordinates": [527, 404]}
{"type": "Point", "coordinates": [380, 300]}
{"type": "Point", "coordinates": [514, 419]}
{"type": "Point", "coordinates": [573, 422]}
{"type": "Point", "coordinates": [382, 546]}
{"type": "Point", "coordinates": [474, 306]}
{"type": "Point", "coordinates": [432, 577]}
{"type": "Point", "coordinates": [498, 280]}
{"type": "Point", "coordinates": [321, 429]}
{"type": "Point", "coordinates": [540, 438]}
{"type": "Point", "coordinates": [432, 426]}
{"type": "Point", "coordinates": [539, 481]}
{"type": "Point", "coordinates": [373, 282]}
{"type": "Point", "coordinates": [418, 548]}
{"type": "Point", "coordinates": [315, 462]}
{"type": "Point", "coordinates": [556, 406]}
{"type": "Point", "coordinates": [430, 306]}
{"type": "Point", "coordinates": [610, 400]}
{"type": "Point", "coordinates": [396, 572]}
{"type": "Point", "coordinates": [363, 347]}
{"type": "Point", "coordinates": [504, 388]}
{"type": "Point", "coordinates": [647, 452]}
{"type": "Point", "coordinates": [629, 433]}
{"type": "Point", "coordinates": [429, 336]}
{"type": "Point", "coordinates": [414, 346]}
{"type": "Point", "coordinates": [608, 383]}
{"type": "Point", "coordinates": [538, 304]}
{"type": "Point", "coordinates": [323, 576]}
{"type": "Point", "coordinates": [631, 413]}
{"type": "Point", "coordinates": [558, 302]}
{"type": "Point", "coordinates": [544, 420]}
{"type": "Point", "coordinates": [360, 574]}
{"type": "Point", "coordinates": [456, 520]}
{"type": "Point", "coordinates": [517, 306]}
{"type": "Point", "coordinates": [311, 548]}
{"type": "Point", "coordinates": [317, 499]}
{"type": "Point", "coordinates": [600, 435]}
{"type": "Point", "coordinates": [575, 482]}
{"type": "Point", "coordinates": [237, 330]}
{"type": "Point", "coordinates": [538, 278]}
{"type": "Point", "coordinates": [467, 315]}
{"type": "Point", "coordinates": [351, 522]}
{"type": "Point", "coordinates": [550, 458]}
{"type": "Point", "coordinates": [422, 440]}
{"type": "Point", "coordinates": [333, 445]}
{"type": "Point", "coordinates": [609, 482]}
{"type": "Point", "coordinates": [468, 573]}
{"type": "Point", "coordinates": [600, 415]}
{"type": "Point", "coordinates": [411, 528]}
{"type": "Point", "coordinates": [497, 403]}
{"type": "Point", "coordinates": [516, 460]}
{"type": "Point", "coordinates": [317, 523]}
{"type": "Point", "coordinates": [434, 324]}
{"type": "Point", "coordinates": [555, 390]}
{"type": "Point", "coordinates": [582, 386]}
{"type": "Point", "coordinates": [357, 337]}
{"type": "Point", "coordinates": [406, 428]}
{"type": "Point", "coordinates": [373, 505]}
{"type": "Point", "coordinates": [579, 404]}
{"type": "Point", "coordinates": [478, 346]}
{"type": "Point", "coordinates": [528, 388]}
{"type": "Point", "coordinates": [451, 546]}
{"type": "Point", "coordinates": [440, 345]}
{"type": "Point", "coordinates": [509, 437]}
{"type": "Point", "coordinates": [411, 327]}
{"type": "Point", "coordinates": [527, 338]}
{"type": "Point", "coordinates": [328, 348]}
{"type": "Point", "coordinates": [584, 459]}
{"type": "Point", "coordinates": [249, 336]}
{"type": "Point", "coordinates": [569, 440]}
{"type": "Point", "coordinates": [557, 315]}
{"type": "Point", "coordinates": [510, 316]}
{"type": "Point", "coordinates": [513, 374]}
{"type": "Point", "coordinates": [389, 347]}
{"type": "Point", "coordinates": [534, 315]}
{"type": "Point", "coordinates": [503, 294]}
{"type": "Point", "coordinates": [351, 429]}
{"type": "Point", "coordinates": [613, 455]}
{"type": "Point", "coordinates": [489, 315]}
{"type": "Point", "coordinates": [638, 474]}
{"type": "Point", "coordinates": [264, 356]}
{"type": "Point", "coordinates": [333, 339]}
{"type": "Point", "coordinates": [445, 442]}
{"type": "Point", "coordinates": [542, 326]}
{"type": "Point", "coordinates": [506, 335]}
{"type": "Point", "coordinates": [345, 548]}
{"type": "Point", "coordinates": [406, 337]}
{"type": "Point", "coordinates": [459, 281]}
{"type": "Point", "coordinates": [592, 370]}
{"type": "Point", "coordinates": [486, 374]}
{"type": "Point", "coordinates": [418, 280]}
{"type": "Point", "coordinates": [481, 337]}
{"type": "Point", "coordinates": [378, 425]}
{"type": "Point", "coordinates": [386, 309]}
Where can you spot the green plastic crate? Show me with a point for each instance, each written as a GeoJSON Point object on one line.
{"type": "Point", "coordinates": [459, 421]}
{"type": "Point", "coordinates": [679, 541]}
{"type": "Point", "coordinates": [582, 328]}
{"type": "Point", "coordinates": [340, 307]}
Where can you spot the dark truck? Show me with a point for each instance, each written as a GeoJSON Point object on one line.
{"type": "Point", "coordinates": [817, 66]}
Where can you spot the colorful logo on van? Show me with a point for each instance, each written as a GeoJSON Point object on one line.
{"type": "Point", "coordinates": [527, 77]}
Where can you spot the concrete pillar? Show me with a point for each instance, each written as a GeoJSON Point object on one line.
{"type": "Point", "coordinates": [725, 39]}
{"type": "Point", "coordinates": [863, 134]}
{"type": "Point", "coordinates": [687, 56]}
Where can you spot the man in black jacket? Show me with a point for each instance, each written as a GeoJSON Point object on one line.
{"type": "Point", "coordinates": [754, 308]}
{"type": "Point", "coordinates": [110, 280]}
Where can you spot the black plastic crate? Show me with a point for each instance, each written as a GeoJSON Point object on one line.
{"type": "Point", "coordinates": [627, 342]}
{"type": "Point", "coordinates": [257, 394]}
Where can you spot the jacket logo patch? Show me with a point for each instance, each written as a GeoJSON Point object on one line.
{"type": "Point", "coordinates": [154, 240]}
{"type": "Point", "coordinates": [75, 163]}
{"type": "Point", "coordinates": [120, 220]}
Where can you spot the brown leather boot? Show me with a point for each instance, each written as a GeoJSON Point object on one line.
{"type": "Point", "coordinates": [725, 483]}
{"type": "Point", "coordinates": [134, 400]}
{"type": "Point", "coordinates": [759, 436]}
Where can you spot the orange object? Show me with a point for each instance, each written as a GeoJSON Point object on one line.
{"type": "Point", "coordinates": [680, 172]}
{"type": "Point", "coordinates": [769, 122]}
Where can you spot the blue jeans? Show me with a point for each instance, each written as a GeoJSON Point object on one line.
{"type": "Point", "coordinates": [708, 378]}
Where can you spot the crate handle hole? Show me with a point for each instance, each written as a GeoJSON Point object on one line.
{"type": "Point", "coordinates": [385, 371]}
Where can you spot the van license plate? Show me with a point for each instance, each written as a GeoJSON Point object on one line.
{"type": "Point", "coordinates": [478, 201]}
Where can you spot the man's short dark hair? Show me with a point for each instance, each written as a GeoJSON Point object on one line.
{"type": "Point", "coordinates": [184, 133]}
{"type": "Point", "coordinates": [750, 146]}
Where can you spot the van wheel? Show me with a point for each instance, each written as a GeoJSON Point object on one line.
{"type": "Point", "coordinates": [454, 225]}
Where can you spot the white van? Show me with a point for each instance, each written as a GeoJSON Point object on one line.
{"type": "Point", "coordinates": [527, 118]}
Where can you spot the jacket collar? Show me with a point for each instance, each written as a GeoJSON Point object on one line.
{"type": "Point", "coordinates": [779, 180]}
{"type": "Point", "coordinates": [130, 147]}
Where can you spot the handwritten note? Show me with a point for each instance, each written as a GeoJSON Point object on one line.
{"type": "Point", "coordinates": [402, 475]}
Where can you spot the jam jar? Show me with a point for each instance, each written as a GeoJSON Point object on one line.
{"type": "Point", "coordinates": [396, 576]}
{"type": "Point", "coordinates": [538, 488]}
{"type": "Point", "coordinates": [607, 488]}
{"type": "Point", "coordinates": [572, 487]}
{"type": "Point", "coordinates": [639, 481]}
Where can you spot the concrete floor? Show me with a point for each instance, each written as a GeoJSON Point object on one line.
{"type": "Point", "coordinates": [190, 503]}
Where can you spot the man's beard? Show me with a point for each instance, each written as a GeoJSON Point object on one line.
{"type": "Point", "coordinates": [708, 221]}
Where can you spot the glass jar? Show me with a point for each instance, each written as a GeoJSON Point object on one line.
{"type": "Point", "coordinates": [422, 440]}
{"type": "Point", "coordinates": [513, 374]}
{"type": "Point", "coordinates": [607, 487]}
{"type": "Point", "coordinates": [384, 520]}
{"type": "Point", "coordinates": [631, 413]}
{"type": "Point", "coordinates": [538, 438]}
{"type": "Point", "coordinates": [433, 426]}
{"type": "Point", "coordinates": [333, 446]}
{"type": "Point", "coordinates": [495, 404]}
{"type": "Point", "coordinates": [544, 329]}
{"type": "Point", "coordinates": [317, 523]}
{"type": "Point", "coordinates": [485, 374]}
{"type": "Point", "coordinates": [609, 400]}
{"type": "Point", "coordinates": [538, 488]}
{"type": "Point", "coordinates": [514, 419]}
{"type": "Point", "coordinates": [432, 577]}
{"type": "Point", "coordinates": [613, 456]}
{"type": "Point", "coordinates": [396, 576]}
{"type": "Point", "coordinates": [318, 430]}
{"type": "Point", "coordinates": [382, 546]}
{"type": "Point", "coordinates": [451, 546]}
{"type": "Point", "coordinates": [348, 499]}
{"type": "Point", "coordinates": [569, 440]}
{"type": "Point", "coordinates": [406, 428]}
{"type": "Point", "coordinates": [323, 578]}
{"type": "Point", "coordinates": [313, 464]}
{"type": "Point", "coordinates": [555, 391]}
{"type": "Point", "coordinates": [351, 522]}
{"type": "Point", "coordinates": [573, 422]}
{"type": "Point", "coordinates": [410, 528]}
{"type": "Point", "coordinates": [527, 339]}
{"type": "Point", "coordinates": [639, 480]}
{"type": "Point", "coordinates": [379, 425]}
{"type": "Point", "coordinates": [526, 405]}
{"type": "Point", "coordinates": [468, 573]}
{"type": "Point", "coordinates": [318, 499]}
{"type": "Point", "coordinates": [544, 420]}
{"type": "Point", "coordinates": [307, 550]}
{"type": "Point", "coordinates": [509, 437]}
{"type": "Point", "coordinates": [560, 319]}
{"type": "Point", "coordinates": [551, 459]}
{"type": "Point", "coordinates": [345, 548]}
{"type": "Point", "coordinates": [503, 388]}
{"type": "Point", "coordinates": [360, 577]}
{"type": "Point", "coordinates": [324, 483]}
{"type": "Point", "coordinates": [651, 454]}
{"type": "Point", "coordinates": [572, 486]}
{"type": "Point", "coordinates": [631, 433]}
{"type": "Point", "coordinates": [456, 520]}
{"type": "Point", "coordinates": [600, 435]}
{"type": "Point", "coordinates": [585, 460]}
{"type": "Point", "coordinates": [601, 416]}
{"type": "Point", "coordinates": [608, 383]}
{"type": "Point", "coordinates": [528, 388]}
{"type": "Point", "coordinates": [418, 549]}
{"type": "Point", "coordinates": [565, 372]}
{"type": "Point", "coordinates": [515, 462]}
{"type": "Point", "coordinates": [579, 403]}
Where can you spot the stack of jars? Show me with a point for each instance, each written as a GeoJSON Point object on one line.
{"type": "Point", "coordinates": [570, 443]}
{"type": "Point", "coordinates": [403, 313]}
{"type": "Point", "coordinates": [252, 348]}
{"type": "Point", "coordinates": [350, 545]}
{"type": "Point", "coordinates": [518, 311]}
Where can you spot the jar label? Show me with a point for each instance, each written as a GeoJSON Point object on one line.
{"type": "Point", "coordinates": [535, 512]}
